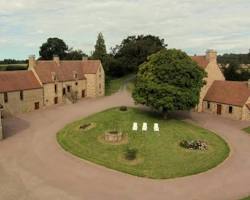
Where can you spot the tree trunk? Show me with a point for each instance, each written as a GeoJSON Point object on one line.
{"type": "Point", "coordinates": [165, 113]}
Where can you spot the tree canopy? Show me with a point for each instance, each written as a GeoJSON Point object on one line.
{"type": "Point", "coordinates": [233, 72]}
{"type": "Point", "coordinates": [53, 46]}
{"type": "Point", "coordinates": [169, 81]}
{"type": "Point", "coordinates": [100, 48]}
{"type": "Point", "coordinates": [133, 51]}
{"type": "Point", "coordinates": [75, 54]}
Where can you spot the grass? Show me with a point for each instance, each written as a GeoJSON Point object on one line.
{"type": "Point", "coordinates": [247, 130]}
{"type": "Point", "coordinates": [247, 198]}
{"type": "Point", "coordinates": [12, 67]}
{"type": "Point", "coordinates": [115, 84]}
{"type": "Point", "coordinates": [160, 155]}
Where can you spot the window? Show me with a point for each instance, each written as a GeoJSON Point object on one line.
{"type": "Point", "coordinates": [56, 88]}
{"type": "Point", "coordinates": [21, 95]}
{"type": "Point", "coordinates": [56, 100]}
{"type": "Point", "coordinates": [64, 91]}
{"type": "Point", "coordinates": [68, 88]}
{"type": "Point", "coordinates": [76, 83]}
{"type": "Point", "coordinates": [230, 109]}
{"type": "Point", "coordinates": [83, 93]}
{"type": "Point", "coordinates": [100, 86]}
{"type": "Point", "coordinates": [75, 74]}
{"type": "Point", "coordinates": [208, 105]}
{"type": "Point", "coordinates": [37, 106]}
{"type": "Point", "coordinates": [5, 97]}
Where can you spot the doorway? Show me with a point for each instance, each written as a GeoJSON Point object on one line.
{"type": "Point", "coordinates": [83, 93]}
{"type": "Point", "coordinates": [37, 105]}
{"type": "Point", "coordinates": [219, 108]}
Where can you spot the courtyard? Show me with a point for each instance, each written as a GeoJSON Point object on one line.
{"type": "Point", "coordinates": [34, 166]}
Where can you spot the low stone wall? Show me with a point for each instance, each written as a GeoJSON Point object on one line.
{"type": "Point", "coordinates": [113, 137]}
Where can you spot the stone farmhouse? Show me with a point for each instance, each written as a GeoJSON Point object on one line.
{"type": "Point", "coordinates": [226, 98]}
{"type": "Point", "coordinates": [52, 82]}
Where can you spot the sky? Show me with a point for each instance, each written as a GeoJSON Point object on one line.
{"type": "Point", "coordinates": [191, 25]}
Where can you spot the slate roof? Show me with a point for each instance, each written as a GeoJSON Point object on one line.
{"type": "Point", "coordinates": [18, 80]}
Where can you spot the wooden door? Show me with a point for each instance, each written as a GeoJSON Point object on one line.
{"type": "Point", "coordinates": [37, 106]}
{"type": "Point", "coordinates": [56, 100]}
{"type": "Point", "coordinates": [83, 93]}
{"type": "Point", "coordinates": [219, 108]}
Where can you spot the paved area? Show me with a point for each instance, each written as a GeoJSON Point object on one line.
{"type": "Point", "coordinates": [34, 167]}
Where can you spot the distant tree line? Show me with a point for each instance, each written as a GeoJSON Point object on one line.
{"type": "Point", "coordinates": [236, 58]}
{"type": "Point", "coordinates": [12, 61]}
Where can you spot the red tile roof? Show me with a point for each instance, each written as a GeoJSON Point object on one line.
{"type": "Point", "coordinates": [200, 60]}
{"type": "Point", "coordinates": [228, 92]}
{"type": "Point", "coordinates": [18, 80]}
{"type": "Point", "coordinates": [65, 70]}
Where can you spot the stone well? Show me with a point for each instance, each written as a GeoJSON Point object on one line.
{"type": "Point", "coordinates": [113, 136]}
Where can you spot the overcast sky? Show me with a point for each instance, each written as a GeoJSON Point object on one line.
{"type": "Point", "coordinates": [191, 25]}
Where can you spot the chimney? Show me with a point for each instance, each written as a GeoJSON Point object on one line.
{"type": "Point", "coordinates": [32, 61]}
{"type": "Point", "coordinates": [211, 55]}
{"type": "Point", "coordinates": [56, 59]}
{"type": "Point", "coordinates": [84, 58]}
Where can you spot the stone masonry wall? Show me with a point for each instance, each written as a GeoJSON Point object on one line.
{"type": "Point", "coordinates": [1, 127]}
{"type": "Point", "coordinates": [246, 111]}
{"type": "Point", "coordinates": [16, 105]}
{"type": "Point", "coordinates": [236, 113]}
{"type": "Point", "coordinates": [213, 73]}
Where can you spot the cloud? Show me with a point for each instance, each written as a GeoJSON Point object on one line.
{"type": "Point", "coordinates": [191, 25]}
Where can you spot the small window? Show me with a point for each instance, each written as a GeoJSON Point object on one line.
{"type": "Point", "coordinates": [76, 83]}
{"type": "Point", "coordinates": [56, 100]}
{"type": "Point", "coordinates": [21, 95]}
{"type": "Point", "coordinates": [68, 88]}
{"type": "Point", "coordinates": [37, 105]}
{"type": "Point", "coordinates": [100, 86]}
{"type": "Point", "coordinates": [5, 97]}
{"type": "Point", "coordinates": [56, 88]}
{"type": "Point", "coordinates": [208, 105]}
{"type": "Point", "coordinates": [230, 109]}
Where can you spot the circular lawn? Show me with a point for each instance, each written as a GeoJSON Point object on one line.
{"type": "Point", "coordinates": [156, 154]}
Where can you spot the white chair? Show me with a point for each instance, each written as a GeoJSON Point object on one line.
{"type": "Point", "coordinates": [135, 126]}
{"type": "Point", "coordinates": [144, 126]}
{"type": "Point", "coordinates": [156, 127]}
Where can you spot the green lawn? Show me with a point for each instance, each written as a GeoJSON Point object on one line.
{"type": "Point", "coordinates": [247, 130]}
{"type": "Point", "coordinates": [115, 84]}
{"type": "Point", "coordinates": [247, 198]}
{"type": "Point", "coordinates": [161, 156]}
{"type": "Point", "coordinates": [11, 67]}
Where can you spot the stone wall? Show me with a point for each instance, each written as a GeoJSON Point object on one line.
{"type": "Point", "coordinates": [246, 111]}
{"type": "Point", "coordinates": [213, 73]}
{"type": "Point", "coordinates": [96, 83]}
{"type": "Point", "coordinates": [1, 127]}
{"type": "Point", "coordinates": [236, 110]}
{"type": "Point", "coordinates": [78, 86]}
{"type": "Point", "coordinates": [16, 105]}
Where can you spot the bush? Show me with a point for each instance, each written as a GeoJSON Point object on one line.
{"type": "Point", "coordinates": [123, 108]}
{"type": "Point", "coordinates": [85, 126]}
{"type": "Point", "coordinates": [194, 145]}
{"type": "Point", "coordinates": [131, 153]}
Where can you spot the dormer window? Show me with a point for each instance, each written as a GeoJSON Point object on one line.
{"type": "Point", "coordinates": [54, 77]}
{"type": "Point", "coordinates": [75, 74]}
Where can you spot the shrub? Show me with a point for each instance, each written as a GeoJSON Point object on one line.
{"type": "Point", "coordinates": [194, 145]}
{"type": "Point", "coordinates": [131, 153]}
{"type": "Point", "coordinates": [123, 108]}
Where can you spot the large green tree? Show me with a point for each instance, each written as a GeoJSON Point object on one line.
{"type": "Point", "coordinates": [134, 50]}
{"type": "Point", "coordinates": [100, 51]}
{"type": "Point", "coordinates": [75, 54]}
{"type": "Point", "coordinates": [169, 81]}
{"type": "Point", "coordinates": [53, 46]}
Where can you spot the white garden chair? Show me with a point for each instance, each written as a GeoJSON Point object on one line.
{"type": "Point", "coordinates": [156, 127]}
{"type": "Point", "coordinates": [135, 126]}
{"type": "Point", "coordinates": [144, 126]}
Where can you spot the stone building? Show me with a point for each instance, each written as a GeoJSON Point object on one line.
{"type": "Point", "coordinates": [20, 91]}
{"type": "Point", "coordinates": [1, 126]}
{"type": "Point", "coordinates": [52, 82]}
{"type": "Point", "coordinates": [226, 98]}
